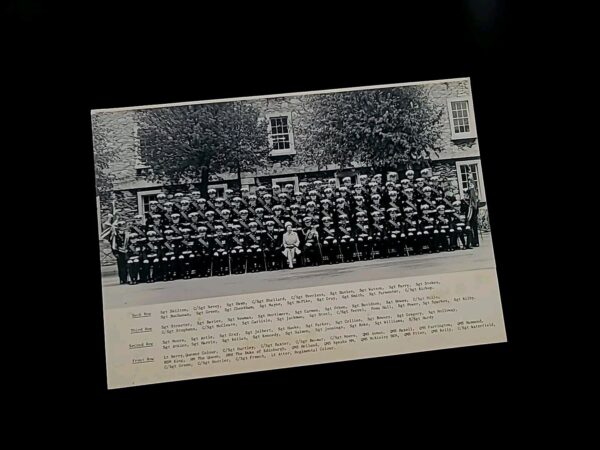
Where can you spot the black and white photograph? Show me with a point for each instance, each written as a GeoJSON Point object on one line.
{"type": "Point", "coordinates": [341, 208]}
{"type": "Point", "coordinates": [216, 198]}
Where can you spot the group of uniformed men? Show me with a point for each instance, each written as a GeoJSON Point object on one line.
{"type": "Point", "coordinates": [185, 236]}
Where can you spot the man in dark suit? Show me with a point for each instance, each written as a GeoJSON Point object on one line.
{"type": "Point", "coordinates": [470, 208]}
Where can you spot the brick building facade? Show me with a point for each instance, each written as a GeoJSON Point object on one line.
{"type": "Point", "coordinates": [285, 115]}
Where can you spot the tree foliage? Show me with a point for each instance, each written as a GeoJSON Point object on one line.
{"type": "Point", "coordinates": [176, 142]}
{"type": "Point", "coordinates": [109, 140]}
{"type": "Point", "coordinates": [379, 127]}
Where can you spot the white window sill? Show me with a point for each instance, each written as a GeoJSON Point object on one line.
{"type": "Point", "coordinates": [457, 137]}
{"type": "Point", "coordinates": [282, 152]}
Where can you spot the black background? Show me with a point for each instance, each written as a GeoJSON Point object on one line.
{"type": "Point", "coordinates": [66, 60]}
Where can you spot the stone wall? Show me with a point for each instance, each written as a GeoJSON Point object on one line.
{"type": "Point", "coordinates": [439, 93]}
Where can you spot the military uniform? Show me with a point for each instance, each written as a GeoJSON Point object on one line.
{"type": "Point", "coordinates": [239, 246]}
{"type": "Point", "coordinates": [155, 225]}
{"type": "Point", "coordinates": [346, 239]}
{"type": "Point", "coordinates": [418, 189]}
{"type": "Point", "coordinates": [363, 237]}
{"type": "Point", "coordinates": [404, 185]}
{"type": "Point", "coordinates": [428, 228]}
{"type": "Point", "coordinates": [169, 252]}
{"type": "Point", "coordinates": [260, 219]}
{"type": "Point", "coordinates": [375, 207]}
{"type": "Point", "coordinates": [119, 243]}
{"type": "Point", "coordinates": [379, 235]}
{"type": "Point", "coordinates": [167, 212]}
{"type": "Point", "coordinates": [161, 199]}
{"type": "Point", "coordinates": [252, 206]}
{"type": "Point", "coordinates": [427, 199]}
{"type": "Point", "coordinates": [303, 186]}
{"type": "Point", "coordinates": [393, 203]}
{"type": "Point", "coordinates": [267, 204]}
{"type": "Point", "coordinates": [471, 212]}
{"type": "Point", "coordinates": [244, 194]}
{"type": "Point", "coordinates": [359, 207]}
{"type": "Point", "coordinates": [328, 194]}
{"type": "Point", "coordinates": [341, 209]}
{"type": "Point", "coordinates": [444, 227]}
{"type": "Point", "coordinates": [409, 201]}
{"type": "Point", "coordinates": [153, 210]}
{"type": "Point", "coordinates": [201, 209]}
{"type": "Point", "coordinates": [272, 243]}
{"type": "Point", "coordinates": [196, 197]}
{"type": "Point", "coordinates": [385, 195]}
{"type": "Point", "coordinates": [463, 232]}
{"type": "Point", "coordinates": [153, 252]}
{"type": "Point", "coordinates": [299, 198]}
{"type": "Point", "coordinates": [255, 249]}
{"type": "Point", "coordinates": [135, 253]}
{"type": "Point", "coordinates": [195, 223]}
{"type": "Point", "coordinates": [329, 241]}
{"type": "Point", "coordinates": [185, 209]}
{"type": "Point", "coordinates": [326, 209]}
{"type": "Point", "coordinates": [295, 219]}
{"type": "Point", "coordinates": [312, 245]}
{"type": "Point", "coordinates": [413, 235]}
{"type": "Point", "coordinates": [175, 224]}
{"type": "Point", "coordinates": [220, 248]}
{"type": "Point", "coordinates": [211, 223]}
{"type": "Point", "coordinates": [203, 253]}
{"type": "Point", "coordinates": [314, 196]}
{"type": "Point", "coordinates": [227, 198]}
{"type": "Point", "coordinates": [437, 192]}
{"type": "Point", "coordinates": [396, 238]}
{"type": "Point", "coordinates": [279, 219]}
{"type": "Point", "coordinates": [138, 226]}
{"type": "Point", "coordinates": [210, 201]}
{"type": "Point", "coordinates": [186, 260]}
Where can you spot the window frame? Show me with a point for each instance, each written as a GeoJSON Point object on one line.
{"type": "Point", "coordinates": [292, 149]}
{"type": "Point", "coordinates": [140, 198]}
{"type": "Point", "coordinates": [480, 184]}
{"type": "Point", "coordinates": [472, 133]}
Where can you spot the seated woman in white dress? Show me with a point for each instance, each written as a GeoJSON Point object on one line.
{"type": "Point", "coordinates": [291, 242]}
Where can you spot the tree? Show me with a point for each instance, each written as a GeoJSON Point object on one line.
{"type": "Point", "coordinates": [110, 136]}
{"type": "Point", "coordinates": [385, 128]}
{"type": "Point", "coordinates": [178, 142]}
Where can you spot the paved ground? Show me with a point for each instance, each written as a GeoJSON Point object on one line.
{"type": "Point", "coordinates": [116, 295]}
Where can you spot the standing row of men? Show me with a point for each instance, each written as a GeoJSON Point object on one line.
{"type": "Point", "coordinates": [185, 236]}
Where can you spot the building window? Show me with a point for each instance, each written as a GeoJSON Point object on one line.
{"type": "Point", "coordinates": [281, 182]}
{"type": "Point", "coordinates": [144, 199]}
{"type": "Point", "coordinates": [280, 134]}
{"type": "Point", "coordinates": [470, 172]}
{"type": "Point", "coordinates": [461, 118]}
